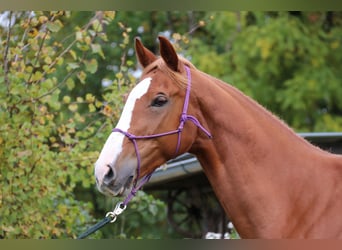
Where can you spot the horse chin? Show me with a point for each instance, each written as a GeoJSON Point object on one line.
{"type": "Point", "coordinates": [123, 190]}
{"type": "Point", "coordinates": [127, 188]}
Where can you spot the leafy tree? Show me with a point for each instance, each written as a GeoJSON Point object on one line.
{"type": "Point", "coordinates": [49, 137]}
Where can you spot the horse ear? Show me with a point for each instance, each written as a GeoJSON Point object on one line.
{"type": "Point", "coordinates": [168, 53]}
{"type": "Point", "coordinates": [145, 56]}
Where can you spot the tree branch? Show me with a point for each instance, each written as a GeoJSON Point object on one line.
{"type": "Point", "coordinates": [6, 66]}
{"type": "Point", "coordinates": [39, 51]}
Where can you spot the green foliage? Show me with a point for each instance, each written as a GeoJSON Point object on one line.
{"type": "Point", "coordinates": [44, 151]}
{"type": "Point", "coordinates": [50, 137]}
{"type": "Point", "coordinates": [287, 66]}
{"type": "Point", "coordinates": [144, 217]}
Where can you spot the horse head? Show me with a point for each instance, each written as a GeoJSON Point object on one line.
{"type": "Point", "coordinates": [152, 128]}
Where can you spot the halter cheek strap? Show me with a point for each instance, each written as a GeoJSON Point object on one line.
{"type": "Point", "coordinates": [183, 118]}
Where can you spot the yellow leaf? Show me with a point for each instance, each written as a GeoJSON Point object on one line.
{"type": "Point", "coordinates": [119, 75]}
{"type": "Point", "coordinates": [79, 35]}
{"type": "Point", "coordinates": [79, 99]}
{"type": "Point", "coordinates": [177, 36]}
{"type": "Point", "coordinates": [61, 129]}
{"type": "Point", "coordinates": [201, 23]}
{"type": "Point", "coordinates": [107, 111]}
{"type": "Point", "coordinates": [90, 98]}
{"type": "Point", "coordinates": [92, 108]}
{"type": "Point", "coordinates": [81, 76]}
{"type": "Point", "coordinates": [62, 209]}
{"type": "Point", "coordinates": [73, 107]}
{"type": "Point", "coordinates": [41, 121]}
{"type": "Point", "coordinates": [66, 99]}
{"type": "Point", "coordinates": [73, 54]}
{"type": "Point", "coordinates": [110, 14]}
{"type": "Point", "coordinates": [48, 60]}
{"type": "Point", "coordinates": [60, 61]}
{"type": "Point", "coordinates": [98, 104]}
{"type": "Point", "coordinates": [33, 32]}
{"type": "Point", "coordinates": [97, 26]}
{"type": "Point", "coordinates": [42, 19]}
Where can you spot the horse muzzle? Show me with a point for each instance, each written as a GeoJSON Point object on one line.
{"type": "Point", "coordinates": [112, 182]}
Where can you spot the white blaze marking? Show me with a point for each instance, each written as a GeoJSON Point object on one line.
{"type": "Point", "coordinates": [113, 146]}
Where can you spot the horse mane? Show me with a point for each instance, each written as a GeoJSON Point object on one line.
{"type": "Point", "coordinates": [177, 77]}
{"type": "Point", "coordinates": [253, 104]}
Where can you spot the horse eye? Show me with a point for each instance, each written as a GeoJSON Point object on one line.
{"type": "Point", "coordinates": [159, 101]}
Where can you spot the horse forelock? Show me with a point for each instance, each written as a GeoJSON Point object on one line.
{"type": "Point", "coordinates": [176, 77]}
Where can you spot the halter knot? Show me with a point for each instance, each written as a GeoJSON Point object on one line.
{"type": "Point", "coordinates": [182, 121]}
{"type": "Point", "coordinates": [127, 134]}
{"type": "Point", "coordinates": [183, 117]}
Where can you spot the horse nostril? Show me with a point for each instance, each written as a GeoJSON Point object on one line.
{"type": "Point", "coordinates": [109, 176]}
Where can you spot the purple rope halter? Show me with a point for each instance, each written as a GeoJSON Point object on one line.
{"type": "Point", "coordinates": [184, 117]}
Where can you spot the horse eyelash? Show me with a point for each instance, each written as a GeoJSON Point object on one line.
{"type": "Point", "coordinates": [154, 102]}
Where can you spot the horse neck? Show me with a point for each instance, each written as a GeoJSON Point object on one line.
{"type": "Point", "coordinates": [239, 120]}
{"type": "Point", "coordinates": [248, 149]}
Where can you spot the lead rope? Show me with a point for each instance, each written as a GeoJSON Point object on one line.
{"type": "Point", "coordinates": [121, 206]}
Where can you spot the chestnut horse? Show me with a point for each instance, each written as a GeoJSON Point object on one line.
{"type": "Point", "coordinates": [270, 182]}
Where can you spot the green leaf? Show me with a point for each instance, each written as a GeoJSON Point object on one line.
{"type": "Point", "coordinates": [97, 49]}
{"type": "Point", "coordinates": [47, 84]}
{"type": "Point", "coordinates": [97, 26]}
{"type": "Point", "coordinates": [53, 100]}
{"type": "Point", "coordinates": [70, 84]}
{"type": "Point", "coordinates": [54, 26]}
{"type": "Point", "coordinates": [81, 76]}
{"type": "Point", "coordinates": [91, 66]}
{"type": "Point", "coordinates": [73, 65]}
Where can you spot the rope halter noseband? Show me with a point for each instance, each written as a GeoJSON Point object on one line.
{"type": "Point", "coordinates": [183, 118]}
